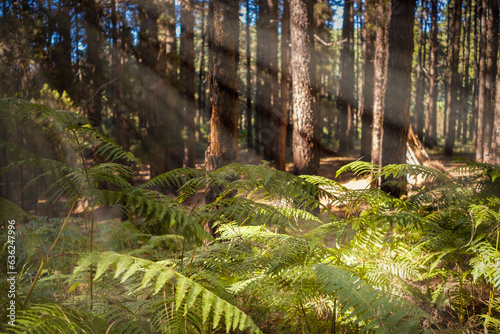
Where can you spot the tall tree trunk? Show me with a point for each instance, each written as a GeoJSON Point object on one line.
{"type": "Point", "coordinates": [249, 82]}
{"type": "Point", "coordinates": [464, 96]}
{"type": "Point", "coordinates": [496, 133]}
{"type": "Point", "coordinates": [452, 94]}
{"type": "Point", "coordinates": [171, 110]}
{"type": "Point", "coordinates": [475, 95]}
{"type": "Point", "coordinates": [398, 92]}
{"type": "Point", "coordinates": [420, 82]}
{"type": "Point", "coordinates": [305, 134]}
{"type": "Point", "coordinates": [368, 80]}
{"type": "Point", "coordinates": [346, 80]}
{"type": "Point", "coordinates": [117, 105]}
{"type": "Point", "coordinates": [285, 88]}
{"type": "Point", "coordinates": [431, 115]}
{"type": "Point", "coordinates": [380, 68]}
{"type": "Point", "coordinates": [95, 61]}
{"type": "Point", "coordinates": [188, 80]}
{"type": "Point", "coordinates": [201, 74]}
{"type": "Point", "coordinates": [490, 81]}
{"type": "Point", "coordinates": [482, 91]}
{"type": "Point", "coordinates": [267, 48]}
{"type": "Point", "coordinates": [223, 44]}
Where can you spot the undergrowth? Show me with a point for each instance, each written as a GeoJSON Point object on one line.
{"type": "Point", "coordinates": [428, 262]}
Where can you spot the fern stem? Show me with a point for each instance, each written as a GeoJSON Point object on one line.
{"type": "Point", "coordinates": [305, 316]}
{"type": "Point", "coordinates": [46, 259]}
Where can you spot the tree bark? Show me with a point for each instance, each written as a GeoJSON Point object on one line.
{"type": "Point", "coordinates": [249, 82]}
{"type": "Point", "coordinates": [491, 70]}
{"type": "Point", "coordinates": [368, 80]}
{"type": "Point", "coordinates": [453, 83]}
{"type": "Point", "coordinates": [431, 116]}
{"type": "Point", "coordinates": [188, 80]}
{"type": "Point", "coordinates": [398, 92]}
{"type": "Point", "coordinates": [420, 79]}
{"type": "Point", "coordinates": [346, 104]}
{"type": "Point", "coordinates": [380, 68]}
{"type": "Point", "coordinates": [305, 134]}
{"type": "Point", "coordinates": [285, 88]}
{"type": "Point", "coordinates": [482, 91]}
{"type": "Point", "coordinates": [223, 52]}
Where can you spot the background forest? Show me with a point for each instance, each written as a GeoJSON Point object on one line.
{"type": "Point", "coordinates": [166, 166]}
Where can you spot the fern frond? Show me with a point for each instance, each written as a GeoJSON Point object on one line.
{"type": "Point", "coordinates": [157, 276]}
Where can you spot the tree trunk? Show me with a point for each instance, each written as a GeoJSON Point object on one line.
{"type": "Point", "coordinates": [491, 70]}
{"type": "Point", "coordinates": [368, 80]}
{"type": "Point", "coordinates": [496, 133]}
{"type": "Point", "coordinates": [346, 80]}
{"type": "Point", "coordinates": [223, 52]}
{"type": "Point", "coordinates": [380, 68]}
{"type": "Point", "coordinates": [305, 134]}
{"type": "Point", "coordinates": [188, 80]}
{"type": "Point", "coordinates": [285, 88]}
{"type": "Point", "coordinates": [452, 94]}
{"type": "Point", "coordinates": [482, 91]}
{"type": "Point", "coordinates": [420, 79]}
{"type": "Point", "coordinates": [95, 61]}
{"type": "Point", "coordinates": [170, 107]}
{"type": "Point", "coordinates": [398, 92]}
{"type": "Point", "coordinates": [117, 105]}
{"type": "Point", "coordinates": [249, 82]}
{"type": "Point", "coordinates": [267, 48]}
{"type": "Point", "coordinates": [464, 96]}
{"type": "Point", "coordinates": [431, 115]}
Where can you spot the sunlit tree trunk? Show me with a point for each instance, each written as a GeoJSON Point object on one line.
{"type": "Point", "coordinates": [223, 44]}
{"type": "Point", "coordinates": [305, 136]}
{"type": "Point", "coordinates": [380, 68]}
{"type": "Point", "coordinates": [453, 77]}
{"type": "Point", "coordinates": [431, 114]}
{"type": "Point", "coordinates": [398, 93]}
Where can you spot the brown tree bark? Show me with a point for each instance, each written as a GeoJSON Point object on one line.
{"type": "Point", "coordinates": [187, 74]}
{"type": "Point", "coordinates": [490, 81]}
{"type": "Point", "coordinates": [346, 103]}
{"type": "Point", "coordinates": [223, 44]}
{"type": "Point", "coordinates": [282, 118]}
{"type": "Point", "coordinates": [431, 115]}
{"type": "Point", "coordinates": [464, 95]}
{"type": "Point", "coordinates": [368, 79]}
{"type": "Point", "coordinates": [398, 92]}
{"type": "Point", "coordinates": [249, 82]}
{"type": "Point", "coordinates": [420, 78]}
{"type": "Point", "coordinates": [453, 78]}
{"type": "Point", "coordinates": [496, 132]}
{"type": "Point", "coordinates": [481, 84]}
{"type": "Point", "coordinates": [305, 134]}
{"type": "Point", "coordinates": [380, 68]}
{"type": "Point", "coordinates": [267, 51]}
{"type": "Point", "coordinates": [171, 109]}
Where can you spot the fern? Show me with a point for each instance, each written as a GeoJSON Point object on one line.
{"type": "Point", "coordinates": [157, 276]}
